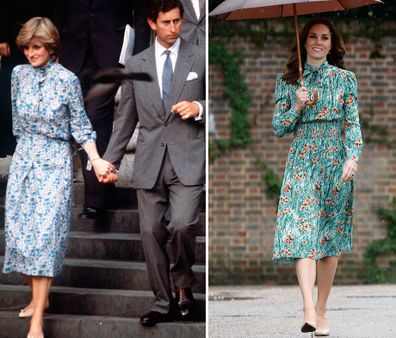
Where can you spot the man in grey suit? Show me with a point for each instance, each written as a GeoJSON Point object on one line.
{"type": "Point", "coordinates": [169, 166]}
{"type": "Point", "coordinates": [194, 22]}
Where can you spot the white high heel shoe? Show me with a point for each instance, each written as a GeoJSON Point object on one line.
{"type": "Point", "coordinates": [322, 333]}
{"type": "Point", "coordinates": [25, 313]}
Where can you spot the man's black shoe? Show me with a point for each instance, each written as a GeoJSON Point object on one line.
{"type": "Point", "coordinates": [184, 301]}
{"type": "Point", "coordinates": [90, 213]}
{"type": "Point", "coordinates": [153, 317]}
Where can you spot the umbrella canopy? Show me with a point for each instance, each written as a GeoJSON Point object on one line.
{"type": "Point", "coordinates": [265, 9]}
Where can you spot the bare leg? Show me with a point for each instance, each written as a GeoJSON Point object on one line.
{"type": "Point", "coordinates": [306, 274]}
{"type": "Point", "coordinates": [326, 269]}
{"type": "Point", "coordinates": [28, 280]}
{"type": "Point", "coordinates": [41, 287]}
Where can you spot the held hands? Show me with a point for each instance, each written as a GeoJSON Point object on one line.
{"type": "Point", "coordinates": [302, 97]}
{"type": "Point", "coordinates": [4, 49]}
{"type": "Point", "coordinates": [185, 109]}
{"type": "Point", "coordinates": [110, 178]}
{"type": "Point", "coordinates": [105, 171]}
{"type": "Point", "coordinates": [349, 171]}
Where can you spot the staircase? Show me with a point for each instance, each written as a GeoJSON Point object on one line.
{"type": "Point", "coordinates": [104, 288]}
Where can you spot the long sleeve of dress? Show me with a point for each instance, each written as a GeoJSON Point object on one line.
{"type": "Point", "coordinates": [353, 135]}
{"type": "Point", "coordinates": [285, 117]}
{"type": "Point", "coordinates": [16, 128]}
{"type": "Point", "coordinates": [80, 126]}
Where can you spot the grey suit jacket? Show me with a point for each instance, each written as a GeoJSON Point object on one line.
{"type": "Point", "coordinates": [193, 29]}
{"type": "Point", "coordinates": [141, 101]}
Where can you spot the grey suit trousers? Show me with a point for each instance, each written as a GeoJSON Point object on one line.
{"type": "Point", "coordinates": [183, 202]}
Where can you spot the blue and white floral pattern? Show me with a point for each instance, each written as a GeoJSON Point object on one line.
{"type": "Point", "coordinates": [47, 108]}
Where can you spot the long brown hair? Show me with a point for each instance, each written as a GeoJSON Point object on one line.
{"type": "Point", "coordinates": [335, 56]}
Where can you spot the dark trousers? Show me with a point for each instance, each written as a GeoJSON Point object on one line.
{"type": "Point", "coordinates": [7, 139]}
{"type": "Point", "coordinates": [100, 112]}
{"type": "Point", "coordinates": [183, 202]}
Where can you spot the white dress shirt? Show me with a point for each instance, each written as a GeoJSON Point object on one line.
{"type": "Point", "coordinates": [195, 4]}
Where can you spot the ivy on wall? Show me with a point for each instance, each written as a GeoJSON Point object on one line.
{"type": "Point", "coordinates": [372, 273]}
{"type": "Point", "coordinates": [239, 101]}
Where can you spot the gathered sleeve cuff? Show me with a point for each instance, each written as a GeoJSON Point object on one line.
{"type": "Point", "coordinates": [285, 117]}
{"type": "Point", "coordinates": [353, 135]}
{"type": "Point", "coordinates": [80, 126]}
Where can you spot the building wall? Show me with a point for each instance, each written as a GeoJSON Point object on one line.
{"type": "Point", "coordinates": [241, 216]}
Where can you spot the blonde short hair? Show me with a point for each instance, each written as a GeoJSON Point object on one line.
{"type": "Point", "coordinates": [45, 30]}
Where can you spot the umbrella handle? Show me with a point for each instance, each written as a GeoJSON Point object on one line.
{"type": "Point", "coordinates": [312, 102]}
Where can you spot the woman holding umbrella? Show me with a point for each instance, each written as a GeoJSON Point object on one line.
{"type": "Point", "coordinates": [314, 219]}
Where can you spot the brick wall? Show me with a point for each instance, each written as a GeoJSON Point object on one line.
{"type": "Point", "coordinates": [241, 216]}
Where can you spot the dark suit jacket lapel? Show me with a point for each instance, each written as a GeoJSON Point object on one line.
{"type": "Point", "coordinates": [182, 68]}
{"type": "Point", "coordinates": [153, 90]}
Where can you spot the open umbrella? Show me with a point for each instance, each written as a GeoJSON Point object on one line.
{"type": "Point", "coordinates": [265, 9]}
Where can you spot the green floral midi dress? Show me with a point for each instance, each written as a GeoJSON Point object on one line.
{"type": "Point", "coordinates": [314, 218]}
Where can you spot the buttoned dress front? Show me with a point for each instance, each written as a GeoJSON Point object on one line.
{"type": "Point", "coordinates": [314, 218]}
{"type": "Point", "coordinates": [47, 110]}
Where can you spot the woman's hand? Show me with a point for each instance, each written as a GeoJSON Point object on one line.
{"type": "Point", "coordinates": [102, 168]}
{"type": "Point", "coordinates": [349, 171]}
{"type": "Point", "coordinates": [302, 97]}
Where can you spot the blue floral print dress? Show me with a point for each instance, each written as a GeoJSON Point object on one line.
{"type": "Point", "coordinates": [47, 109]}
{"type": "Point", "coordinates": [314, 218]}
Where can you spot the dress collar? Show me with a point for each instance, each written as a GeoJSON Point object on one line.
{"type": "Point", "coordinates": [43, 69]}
{"type": "Point", "coordinates": [313, 71]}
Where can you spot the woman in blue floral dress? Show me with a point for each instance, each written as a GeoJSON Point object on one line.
{"type": "Point", "coordinates": [48, 110]}
{"type": "Point", "coordinates": [314, 219]}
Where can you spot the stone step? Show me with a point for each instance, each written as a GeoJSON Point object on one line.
{"type": "Point", "coordinates": [77, 326]}
{"type": "Point", "coordinates": [91, 302]}
{"type": "Point", "coordinates": [115, 220]}
{"type": "Point", "coordinates": [104, 274]}
{"type": "Point", "coordinates": [124, 197]}
{"type": "Point", "coordinates": [117, 246]}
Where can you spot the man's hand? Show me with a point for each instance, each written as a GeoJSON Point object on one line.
{"type": "Point", "coordinates": [4, 49]}
{"type": "Point", "coordinates": [109, 178]}
{"type": "Point", "coordinates": [185, 109]}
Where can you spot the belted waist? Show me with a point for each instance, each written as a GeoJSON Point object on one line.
{"type": "Point", "coordinates": [42, 137]}
{"type": "Point", "coordinates": [322, 129]}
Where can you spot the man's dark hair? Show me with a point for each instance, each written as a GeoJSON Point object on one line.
{"type": "Point", "coordinates": [156, 6]}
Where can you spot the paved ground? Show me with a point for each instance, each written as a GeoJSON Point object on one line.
{"type": "Point", "coordinates": [367, 311]}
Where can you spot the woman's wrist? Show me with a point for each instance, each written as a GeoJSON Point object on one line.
{"type": "Point", "coordinates": [94, 158]}
{"type": "Point", "coordinates": [297, 108]}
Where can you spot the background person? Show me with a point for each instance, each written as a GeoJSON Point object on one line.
{"type": "Point", "coordinates": [92, 34]}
